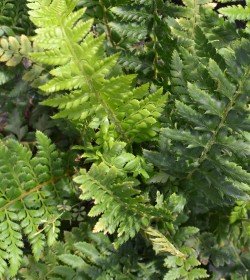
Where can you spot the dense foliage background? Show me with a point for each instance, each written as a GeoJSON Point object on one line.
{"type": "Point", "coordinates": [125, 139]}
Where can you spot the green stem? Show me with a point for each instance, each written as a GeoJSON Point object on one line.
{"type": "Point", "coordinates": [25, 194]}
{"type": "Point", "coordinates": [238, 257]}
{"type": "Point", "coordinates": [155, 41]}
{"type": "Point", "coordinates": [106, 23]}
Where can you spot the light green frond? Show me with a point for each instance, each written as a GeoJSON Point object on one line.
{"type": "Point", "coordinates": [83, 66]}
{"type": "Point", "coordinates": [141, 117]}
{"type": "Point", "coordinates": [116, 200]}
{"type": "Point", "coordinates": [53, 57]}
{"type": "Point", "coordinates": [101, 68]}
{"type": "Point", "coordinates": [236, 12]}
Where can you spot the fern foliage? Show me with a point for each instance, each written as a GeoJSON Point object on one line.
{"type": "Point", "coordinates": [184, 269]}
{"type": "Point", "coordinates": [29, 194]}
{"type": "Point", "coordinates": [84, 254]}
{"type": "Point", "coordinates": [15, 62]}
{"type": "Point", "coordinates": [212, 134]}
{"type": "Point", "coordinates": [145, 189]}
{"type": "Point", "coordinates": [83, 73]}
{"type": "Point", "coordinates": [237, 12]}
{"type": "Point", "coordinates": [93, 258]}
{"type": "Point", "coordinates": [140, 31]}
{"type": "Point", "coordinates": [119, 204]}
{"type": "Point", "coordinates": [14, 18]}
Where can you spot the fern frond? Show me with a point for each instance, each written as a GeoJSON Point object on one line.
{"type": "Point", "coordinates": [184, 268]}
{"type": "Point", "coordinates": [130, 15]}
{"type": "Point", "coordinates": [28, 199]}
{"type": "Point", "coordinates": [93, 258]}
{"type": "Point", "coordinates": [14, 17]}
{"type": "Point", "coordinates": [116, 199]}
{"type": "Point", "coordinates": [17, 50]}
{"type": "Point", "coordinates": [184, 27]}
{"type": "Point", "coordinates": [209, 104]}
{"type": "Point", "coordinates": [81, 67]}
{"type": "Point", "coordinates": [236, 12]}
{"type": "Point", "coordinates": [134, 31]}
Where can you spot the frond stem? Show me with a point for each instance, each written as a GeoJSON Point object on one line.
{"type": "Point", "coordinates": [106, 23]}
{"type": "Point", "coordinates": [155, 40]}
{"type": "Point", "coordinates": [25, 194]}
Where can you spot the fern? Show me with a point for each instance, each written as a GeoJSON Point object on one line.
{"type": "Point", "coordinates": [14, 61]}
{"type": "Point", "coordinates": [143, 38]}
{"type": "Point", "coordinates": [186, 198]}
{"type": "Point", "coordinates": [94, 258]}
{"type": "Point", "coordinates": [237, 12]}
{"type": "Point", "coordinates": [16, 50]}
{"type": "Point", "coordinates": [134, 28]}
{"type": "Point", "coordinates": [14, 53]}
{"type": "Point", "coordinates": [14, 18]}
{"type": "Point", "coordinates": [213, 118]}
{"type": "Point", "coordinates": [117, 200]}
{"type": "Point", "coordinates": [28, 199]}
{"type": "Point", "coordinates": [92, 94]}
{"type": "Point", "coordinates": [204, 143]}
{"type": "Point", "coordinates": [86, 254]}
{"type": "Point", "coordinates": [184, 269]}
{"type": "Point", "coordinates": [131, 115]}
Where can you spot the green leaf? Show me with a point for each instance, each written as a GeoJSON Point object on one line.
{"type": "Point", "coordinates": [224, 85]}
{"type": "Point", "coordinates": [29, 204]}
{"type": "Point", "coordinates": [73, 261]}
{"type": "Point", "coordinates": [197, 273]}
{"type": "Point", "coordinates": [236, 12]}
{"type": "Point", "coordinates": [206, 101]}
{"type": "Point", "coordinates": [173, 274]}
{"type": "Point", "coordinates": [88, 249]}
